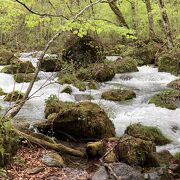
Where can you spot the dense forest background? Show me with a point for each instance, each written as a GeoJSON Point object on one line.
{"type": "Point", "coordinates": [31, 23]}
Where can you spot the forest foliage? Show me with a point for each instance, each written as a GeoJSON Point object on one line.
{"type": "Point", "coordinates": [19, 26]}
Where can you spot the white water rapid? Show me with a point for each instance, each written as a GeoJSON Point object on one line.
{"type": "Point", "coordinates": [145, 83]}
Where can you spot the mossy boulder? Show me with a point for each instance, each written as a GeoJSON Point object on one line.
{"type": "Point", "coordinates": [71, 79]}
{"type": "Point", "coordinates": [67, 90]}
{"type": "Point", "coordinates": [169, 61]}
{"type": "Point", "coordinates": [13, 96]}
{"type": "Point", "coordinates": [163, 157]}
{"type": "Point", "coordinates": [2, 92]}
{"type": "Point", "coordinates": [118, 95]}
{"type": "Point", "coordinates": [169, 99]}
{"type": "Point", "coordinates": [83, 51]}
{"type": "Point", "coordinates": [100, 72]}
{"type": "Point", "coordinates": [175, 84]}
{"type": "Point", "coordinates": [145, 52]}
{"type": "Point", "coordinates": [6, 56]}
{"type": "Point", "coordinates": [23, 77]}
{"type": "Point", "coordinates": [9, 142]}
{"type": "Point", "coordinates": [80, 120]}
{"type": "Point", "coordinates": [51, 63]}
{"type": "Point", "coordinates": [148, 133]}
{"type": "Point", "coordinates": [19, 67]}
{"type": "Point", "coordinates": [96, 149]}
{"type": "Point", "coordinates": [135, 151]}
{"type": "Point", "coordinates": [125, 65]}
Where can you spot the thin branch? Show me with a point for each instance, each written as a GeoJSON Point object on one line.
{"type": "Point", "coordinates": [40, 14]}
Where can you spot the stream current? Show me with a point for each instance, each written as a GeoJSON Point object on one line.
{"type": "Point", "coordinates": [145, 83]}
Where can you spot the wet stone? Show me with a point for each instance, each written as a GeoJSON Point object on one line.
{"type": "Point", "coordinates": [35, 170]}
{"type": "Point", "coordinates": [123, 171]}
{"type": "Point", "coordinates": [53, 160]}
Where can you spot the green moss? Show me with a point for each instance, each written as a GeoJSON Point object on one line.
{"type": "Point", "coordinates": [13, 96]}
{"type": "Point", "coordinates": [126, 65]}
{"type": "Point", "coordinates": [67, 90]}
{"type": "Point", "coordinates": [175, 84]}
{"type": "Point", "coordinates": [5, 56]}
{"type": "Point", "coordinates": [19, 67]}
{"type": "Point", "coordinates": [92, 85]}
{"type": "Point", "coordinates": [134, 151]}
{"type": "Point", "coordinates": [23, 77]}
{"type": "Point", "coordinates": [2, 92]}
{"type": "Point", "coordinates": [170, 62]}
{"type": "Point", "coordinates": [147, 133]}
{"type": "Point", "coordinates": [166, 99]}
{"type": "Point", "coordinates": [82, 120]}
{"type": "Point", "coordinates": [8, 141]}
{"type": "Point", "coordinates": [118, 95]}
{"type": "Point", "coordinates": [71, 79]}
{"type": "Point", "coordinates": [84, 74]}
{"type": "Point", "coordinates": [177, 156]}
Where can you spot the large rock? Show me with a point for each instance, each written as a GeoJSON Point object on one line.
{"type": "Point", "coordinates": [19, 67]}
{"type": "Point", "coordinates": [118, 95]}
{"type": "Point", "coordinates": [175, 84]}
{"type": "Point", "coordinates": [125, 65]}
{"type": "Point", "coordinates": [83, 51]}
{"type": "Point", "coordinates": [51, 63]}
{"type": "Point", "coordinates": [53, 160]}
{"type": "Point", "coordinates": [123, 171]}
{"type": "Point", "coordinates": [169, 99]}
{"type": "Point", "coordinates": [99, 72]}
{"type": "Point", "coordinates": [81, 120]}
{"type": "Point", "coordinates": [135, 151]}
{"type": "Point", "coordinates": [169, 61]}
{"type": "Point", "coordinates": [6, 56]}
{"type": "Point", "coordinates": [148, 133]}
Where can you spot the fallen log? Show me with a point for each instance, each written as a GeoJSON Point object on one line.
{"type": "Point", "coordinates": [55, 146]}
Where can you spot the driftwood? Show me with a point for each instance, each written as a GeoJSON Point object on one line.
{"type": "Point", "coordinates": [55, 146]}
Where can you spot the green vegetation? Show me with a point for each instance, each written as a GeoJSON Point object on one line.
{"type": "Point", "coordinates": [23, 77]}
{"type": "Point", "coordinates": [67, 90]}
{"type": "Point", "coordinates": [2, 92]}
{"type": "Point", "coordinates": [19, 67]}
{"type": "Point", "coordinates": [177, 156]}
{"type": "Point", "coordinates": [71, 79]}
{"type": "Point", "coordinates": [13, 96]}
{"type": "Point", "coordinates": [8, 141]}
{"type": "Point", "coordinates": [148, 133]}
{"type": "Point", "coordinates": [118, 95]}
{"type": "Point", "coordinates": [125, 65]}
{"type": "Point", "coordinates": [166, 99]}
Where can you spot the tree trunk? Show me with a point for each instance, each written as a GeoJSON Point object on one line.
{"type": "Point", "coordinates": [134, 15]}
{"type": "Point", "coordinates": [118, 13]}
{"type": "Point", "coordinates": [150, 18]}
{"type": "Point", "coordinates": [166, 24]}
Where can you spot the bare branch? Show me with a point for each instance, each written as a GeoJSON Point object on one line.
{"type": "Point", "coordinates": [40, 14]}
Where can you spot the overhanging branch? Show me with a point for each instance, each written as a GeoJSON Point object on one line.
{"type": "Point", "coordinates": [40, 14]}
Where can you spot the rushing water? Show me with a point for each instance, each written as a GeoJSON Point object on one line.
{"type": "Point", "coordinates": [145, 83]}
